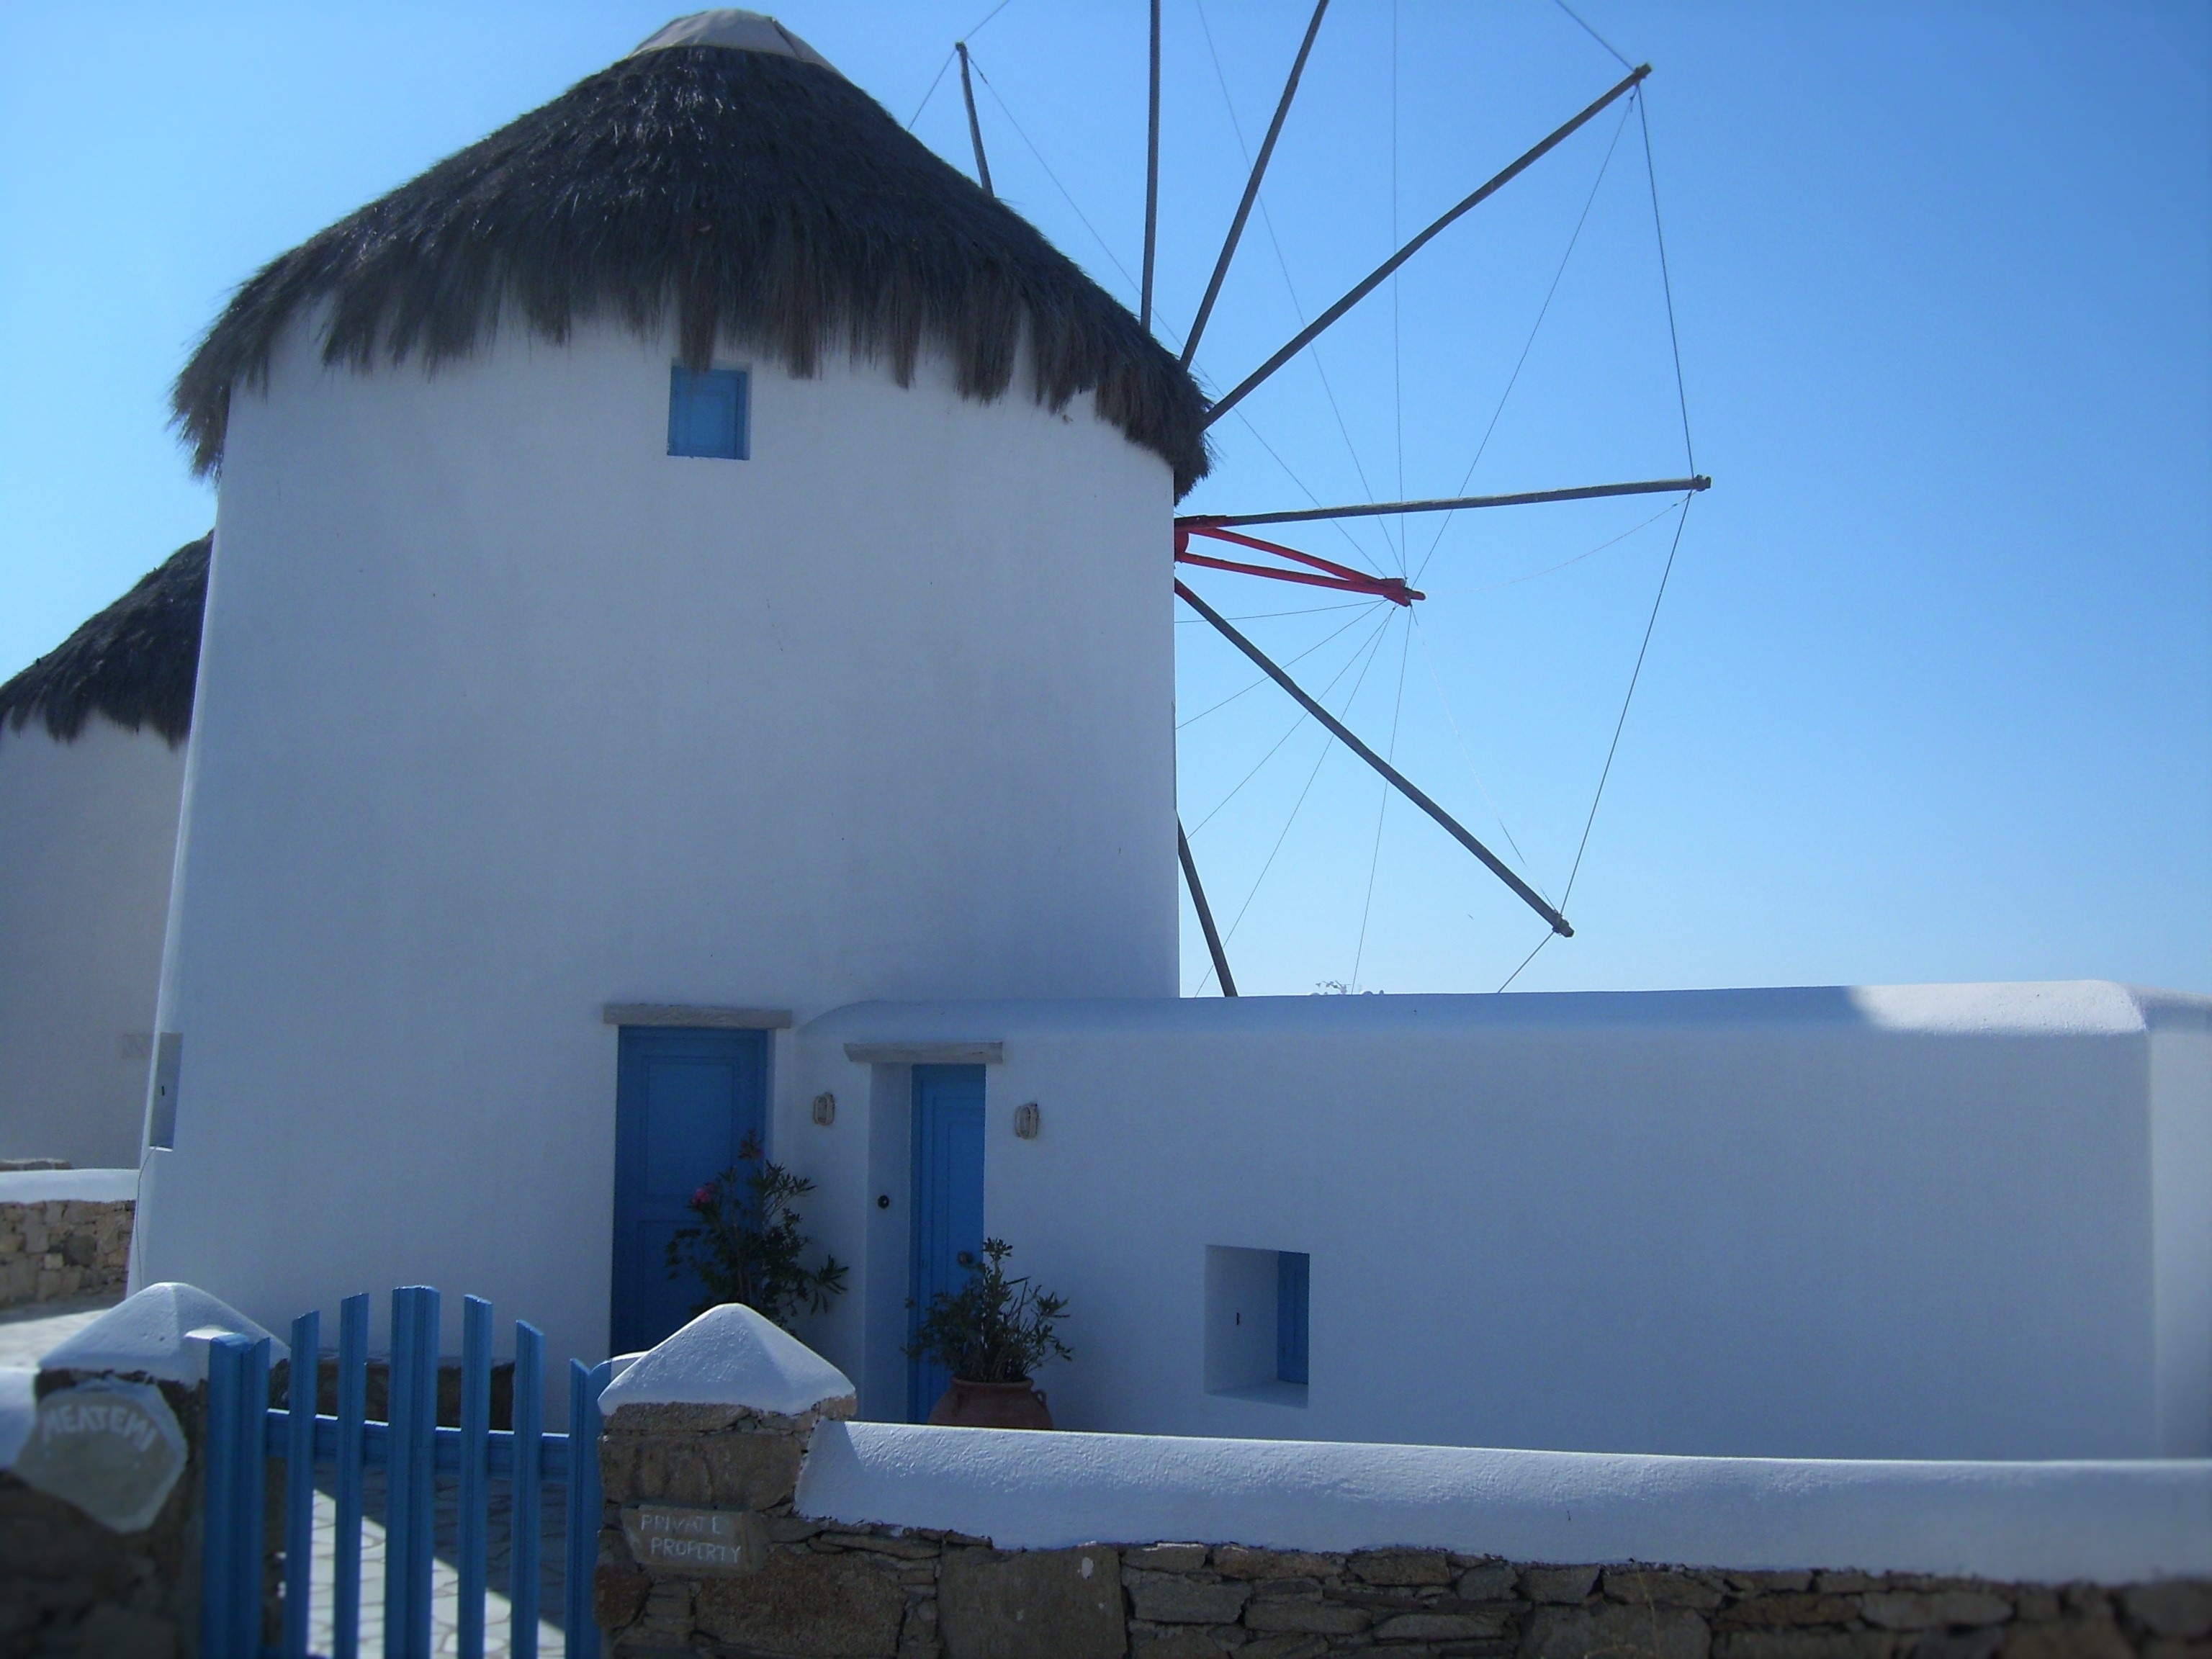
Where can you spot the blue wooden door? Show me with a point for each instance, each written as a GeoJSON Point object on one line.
{"type": "Point", "coordinates": [686, 1098]}
{"type": "Point", "coordinates": [948, 1202]}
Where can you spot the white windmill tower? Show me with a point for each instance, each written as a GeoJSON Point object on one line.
{"type": "Point", "coordinates": [91, 763]}
{"type": "Point", "coordinates": [686, 562]}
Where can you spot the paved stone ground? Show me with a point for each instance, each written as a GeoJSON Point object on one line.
{"type": "Point", "coordinates": [444, 1592]}
{"type": "Point", "coordinates": [25, 1334]}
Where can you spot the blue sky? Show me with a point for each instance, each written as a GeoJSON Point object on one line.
{"type": "Point", "coordinates": [1931, 693]}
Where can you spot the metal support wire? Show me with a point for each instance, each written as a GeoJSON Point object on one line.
{"type": "Point", "coordinates": [1665, 283]}
{"type": "Point", "coordinates": [1614, 748]}
{"type": "Point", "coordinates": [1066, 195]}
{"type": "Point", "coordinates": [1383, 807]}
{"type": "Point", "coordinates": [1551, 293]}
{"type": "Point", "coordinates": [1320, 760]}
{"type": "Point", "coordinates": [1689, 453]}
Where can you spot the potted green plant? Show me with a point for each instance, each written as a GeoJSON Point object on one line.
{"type": "Point", "coordinates": [992, 1336]}
{"type": "Point", "coordinates": [747, 1245]}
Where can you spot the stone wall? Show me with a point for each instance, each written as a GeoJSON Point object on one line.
{"type": "Point", "coordinates": [71, 1585]}
{"type": "Point", "coordinates": [103, 1464]}
{"type": "Point", "coordinates": [64, 1247]}
{"type": "Point", "coordinates": [700, 1553]}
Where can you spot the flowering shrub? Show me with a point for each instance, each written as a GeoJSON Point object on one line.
{"type": "Point", "coordinates": [997, 1329]}
{"type": "Point", "coordinates": [746, 1246]}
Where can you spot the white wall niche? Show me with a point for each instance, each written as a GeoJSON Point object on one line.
{"type": "Point", "coordinates": [1243, 1358]}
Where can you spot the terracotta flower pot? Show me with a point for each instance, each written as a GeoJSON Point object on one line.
{"type": "Point", "coordinates": [967, 1404]}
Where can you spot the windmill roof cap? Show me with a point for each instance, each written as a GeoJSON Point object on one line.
{"type": "Point", "coordinates": [739, 31]}
{"type": "Point", "coordinates": [721, 184]}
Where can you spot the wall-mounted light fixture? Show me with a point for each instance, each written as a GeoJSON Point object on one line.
{"type": "Point", "coordinates": [825, 1108]}
{"type": "Point", "coordinates": [1026, 1120]}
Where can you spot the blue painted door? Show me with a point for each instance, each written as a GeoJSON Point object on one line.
{"type": "Point", "coordinates": [686, 1098]}
{"type": "Point", "coordinates": [948, 1202]}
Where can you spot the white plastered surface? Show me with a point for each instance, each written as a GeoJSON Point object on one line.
{"type": "Point", "coordinates": [730, 1356]}
{"type": "Point", "coordinates": [161, 1332]}
{"type": "Point", "coordinates": [2110, 1522]}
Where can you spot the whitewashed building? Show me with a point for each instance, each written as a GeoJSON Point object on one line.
{"type": "Point", "coordinates": [688, 657]}
{"type": "Point", "coordinates": [92, 766]}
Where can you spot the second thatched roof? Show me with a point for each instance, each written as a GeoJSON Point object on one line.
{"type": "Point", "coordinates": [135, 662]}
{"type": "Point", "coordinates": [749, 191]}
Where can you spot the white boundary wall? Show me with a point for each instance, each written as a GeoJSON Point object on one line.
{"type": "Point", "coordinates": [64, 1185]}
{"type": "Point", "coordinates": [1947, 1222]}
{"type": "Point", "coordinates": [504, 715]}
{"type": "Point", "coordinates": [88, 839]}
{"type": "Point", "coordinates": [2109, 1522]}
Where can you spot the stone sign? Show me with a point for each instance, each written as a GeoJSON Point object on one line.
{"type": "Point", "coordinates": [113, 1449]}
{"type": "Point", "coordinates": [710, 1543]}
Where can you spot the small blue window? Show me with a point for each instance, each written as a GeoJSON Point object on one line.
{"type": "Point", "coordinates": [706, 412]}
{"type": "Point", "coordinates": [1293, 1273]}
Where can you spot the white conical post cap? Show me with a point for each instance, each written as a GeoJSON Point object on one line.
{"type": "Point", "coordinates": [161, 1332]}
{"type": "Point", "coordinates": [731, 1356]}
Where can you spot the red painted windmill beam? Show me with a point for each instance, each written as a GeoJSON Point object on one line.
{"type": "Point", "coordinates": [1341, 578]}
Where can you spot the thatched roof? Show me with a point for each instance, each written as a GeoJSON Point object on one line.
{"type": "Point", "coordinates": [744, 188]}
{"type": "Point", "coordinates": [134, 662]}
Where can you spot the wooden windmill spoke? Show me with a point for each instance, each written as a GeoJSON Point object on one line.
{"type": "Point", "coordinates": [1205, 912]}
{"type": "Point", "coordinates": [1251, 186]}
{"type": "Point", "coordinates": [1397, 780]}
{"type": "Point", "coordinates": [1152, 202]}
{"type": "Point", "coordinates": [1307, 335]}
{"type": "Point", "coordinates": [1205, 521]}
{"type": "Point", "coordinates": [974, 126]}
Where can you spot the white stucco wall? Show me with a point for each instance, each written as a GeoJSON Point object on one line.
{"type": "Point", "coordinates": [87, 837]}
{"type": "Point", "coordinates": [2052, 1522]}
{"type": "Point", "coordinates": [504, 715]}
{"type": "Point", "coordinates": [1950, 1222]}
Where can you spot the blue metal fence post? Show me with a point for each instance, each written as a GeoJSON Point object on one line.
{"type": "Point", "coordinates": [233, 1497]}
{"type": "Point", "coordinates": [423, 1488]}
{"type": "Point", "coordinates": [251, 1489]}
{"type": "Point", "coordinates": [219, 1524]}
{"type": "Point", "coordinates": [352, 1457]}
{"type": "Point", "coordinates": [398, 1472]}
{"type": "Point", "coordinates": [584, 1388]}
{"type": "Point", "coordinates": [475, 1470]}
{"type": "Point", "coordinates": [410, 1472]}
{"type": "Point", "coordinates": [527, 1489]}
{"type": "Point", "coordinates": [300, 1481]}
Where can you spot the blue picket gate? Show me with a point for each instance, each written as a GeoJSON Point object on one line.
{"type": "Point", "coordinates": [245, 1432]}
